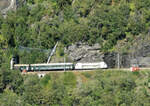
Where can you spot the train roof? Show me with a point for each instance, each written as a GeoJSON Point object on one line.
{"type": "Point", "coordinates": [91, 62]}
{"type": "Point", "coordinates": [43, 64]}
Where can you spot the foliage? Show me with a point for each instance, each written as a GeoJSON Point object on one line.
{"type": "Point", "coordinates": [9, 98]}
{"type": "Point", "coordinates": [69, 88]}
{"type": "Point", "coordinates": [9, 80]}
{"type": "Point", "coordinates": [40, 24]}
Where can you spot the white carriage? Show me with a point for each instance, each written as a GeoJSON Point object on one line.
{"type": "Point", "coordinates": [86, 66]}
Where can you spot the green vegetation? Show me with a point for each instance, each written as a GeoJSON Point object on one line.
{"type": "Point", "coordinates": [42, 23]}
{"type": "Point", "coordinates": [106, 88]}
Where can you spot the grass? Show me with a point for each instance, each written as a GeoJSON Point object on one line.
{"type": "Point", "coordinates": [70, 78]}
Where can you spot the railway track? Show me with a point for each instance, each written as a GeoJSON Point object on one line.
{"type": "Point", "coordinates": [54, 71]}
{"type": "Point", "coordinates": [112, 69]}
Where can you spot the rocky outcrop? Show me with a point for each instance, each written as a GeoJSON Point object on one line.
{"type": "Point", "coordinates": [4, 4]}
{"type": "Point", "coordinates": [112, 59]}
{"type": "Point", "coordinates": [140, 55]}
{"type": "Point", "coordinates": [141, 61]}
{"type": "Point", "coordinates": [137, 54]}
{"type": "Point", "coordinates": [141, 52]}
{"type": "Point", "coordinates": [7, 5]}
{"type": "Point", "coordinates": [82, 52]}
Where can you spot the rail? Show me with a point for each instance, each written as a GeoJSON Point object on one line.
{"type": "Point", "coordinates": [112, 69]}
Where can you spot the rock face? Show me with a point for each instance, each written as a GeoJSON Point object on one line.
{"type": "Point", "coordinates": [6, 5]}
{"type": "Point", "coordinates": [140, 55]}
{"type": "Point", "coordinates": [141, 61]}
{"type": "Point", "coordinates": [112, 58]}
{"type": "Point", "coordinates": [81, 52]}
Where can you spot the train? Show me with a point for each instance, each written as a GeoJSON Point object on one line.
{"type": "Point", "coordinates": [57, 66]}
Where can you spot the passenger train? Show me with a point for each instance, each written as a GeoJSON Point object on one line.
{"type": "Point", "coordinates": [57, 66]}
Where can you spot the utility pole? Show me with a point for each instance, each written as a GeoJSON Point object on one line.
{"type": "Point", "coordinates": [118, 60]}
{"type": "Point", "coordinates": [64, 61]}
{"type": "Point", "coordinates": [118, 56]}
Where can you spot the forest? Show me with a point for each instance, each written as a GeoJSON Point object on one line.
{"type": "Point", "coordinates": [94, 88]}
{"type": "Point", "coordinates": [41, 23]}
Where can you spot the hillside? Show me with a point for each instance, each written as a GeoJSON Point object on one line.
{"type": "Point", "coordinates": [115, 25]}
{"type": "Point", "coordinates": [87, 31]}
{"type": "Point", "coordinates": [106, 88]}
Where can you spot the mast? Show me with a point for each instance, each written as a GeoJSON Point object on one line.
{"type": "Point", "coordinates": [52, 53]}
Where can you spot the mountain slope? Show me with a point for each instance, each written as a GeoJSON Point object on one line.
{"type": "Point", "coordinates": [40, 24]}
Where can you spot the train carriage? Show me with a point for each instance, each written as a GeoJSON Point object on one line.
{"type": "Point", "coordinates": [86, 66]}
{"type": "Point", "coordinates": [44, 67]}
